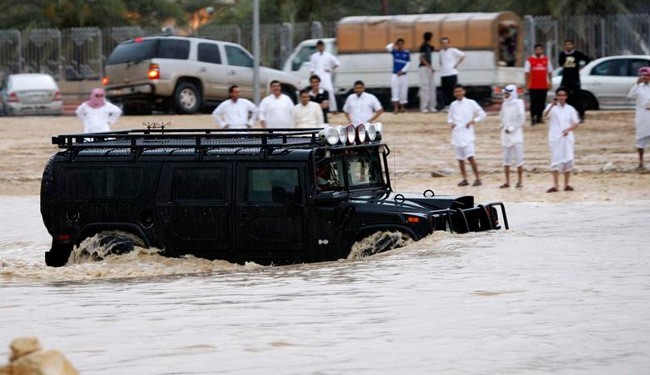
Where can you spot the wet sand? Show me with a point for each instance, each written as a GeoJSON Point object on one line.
{"type": "Point", "coordinates": [605, 165]}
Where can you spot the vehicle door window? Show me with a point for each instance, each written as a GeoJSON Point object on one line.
{"type": "Point", "coordinates": [209, 53]}
{"type": "Point", "coordinates": [260, 183]}
{"type": "Point", "coordinates": [199, 184]}
{"type": "Point", "coordinates": [102, 182]}
{"type": "Point", "coordinates": [238, 57]}
{"type": "Point", "coordinates": [173, 49]}
{"type": "Point", "coordinates": [635, 65]}
{"type": "Point", "coordinates": [610, 68]}
{"type": "Point", "coordinates": [302, 56]}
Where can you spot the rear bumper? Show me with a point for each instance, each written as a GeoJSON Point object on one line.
{"type": "Point", "coordinates": [24, 109]}
{"type": "Point", "coordinates": [159, 88]}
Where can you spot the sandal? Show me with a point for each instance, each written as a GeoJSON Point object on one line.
{"type": "Point", "coordinates": [504, 186]}
{"type": "Point", "coordinates": [477, 183]}
{"type": "Point", "coordinates": [463, 183]}
{"type": "Point", "coordinates": [552, 190]}
{"type": "Point", "coordinates": [568, 188]}
{"type": "Point", "coordinates": [519, 185]}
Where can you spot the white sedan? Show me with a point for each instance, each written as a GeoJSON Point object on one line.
{"type": "Point", "coordinates": [31, 94]}
{"type": "Point", "coordinates": [606, 81]}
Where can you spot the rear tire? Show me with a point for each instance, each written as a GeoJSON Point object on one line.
{"type": "Point", "coordinates": [187, 99]}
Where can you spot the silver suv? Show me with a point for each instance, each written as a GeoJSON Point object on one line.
{"type": "Point", "coordinates": [183, 74]}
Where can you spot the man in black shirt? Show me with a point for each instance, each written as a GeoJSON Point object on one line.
{"type": "Point", "coordinates": [319, 95]}
{"type": "Point", "coordinates": [428, 100]}
{"type": "Point", "coordinates": [571, 62]}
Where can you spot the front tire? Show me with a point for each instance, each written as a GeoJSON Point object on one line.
{"type": "Point", "coordinates": [378, 242]}
{"type": "Point", "coordinates": [187, 98]}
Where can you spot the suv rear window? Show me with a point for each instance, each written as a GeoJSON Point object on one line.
{"type": "Point", "coordinates": [138, 50]}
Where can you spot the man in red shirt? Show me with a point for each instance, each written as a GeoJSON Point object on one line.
{"type": "Point", "coordinates": [538, 70]}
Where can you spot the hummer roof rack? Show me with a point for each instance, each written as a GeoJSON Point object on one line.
{"type": "Point", "coordinates": [268, 140]}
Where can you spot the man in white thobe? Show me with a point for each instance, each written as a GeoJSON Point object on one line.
{"type": "Point", "coordinates": [640, 92]}
{"type": "Point", "coordinates": [235, 113]}
{"type": "Point", "coordinates": [276, 110]}
{"type": "Point", "coordinates": [563, 120]}
{"type": "Point", "coordinates": [307, 114]}
{"type": "Point", "coordinates": [463, 115]}
{"type": "Point", "coordinates": [361, 106]}
{"type": "Point", "coordinates": [323, 63]}
{"type": "Point", "coordinates": [513, 117]}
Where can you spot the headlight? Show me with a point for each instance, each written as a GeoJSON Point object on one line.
{"type": "Point", "coordinates": [329, 135]}
{"type": "Point", "coordinates": [343, 134]}
{"type": "Point", "coordinates": [372, 132]}
{"type": "Point", "coordinates": [361, 133]}
{"type": "Point", "coordinates": [351, 133]}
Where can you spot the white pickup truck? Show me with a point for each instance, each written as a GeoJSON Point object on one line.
{"type": "Point", "coordinates": [360, 47]}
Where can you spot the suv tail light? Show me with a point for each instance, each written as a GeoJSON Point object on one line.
{"type": "Point", "coordinates": [105, 81]}
{"type": "Point", "coordinates": [57, 96]}
{"type": "Point", "coordinates": [154, 71]}
{"type": "Point", "coordinates": [13, 98]}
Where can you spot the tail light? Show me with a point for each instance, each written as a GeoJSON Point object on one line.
{"type": "Point", "coordinates": [13, 98]}
{"type": "Point", "coordinates": [154, 71]}
{"type": "Point", "coordinates": [57, 96]}
{"type": "Point", "coordinates": [105, 81]}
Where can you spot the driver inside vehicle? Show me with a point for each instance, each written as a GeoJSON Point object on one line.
{"type": "Point", "coordinates": [326, 177]}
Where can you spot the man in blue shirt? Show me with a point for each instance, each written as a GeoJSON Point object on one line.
{"type": "Point", "coordinates": [399, 84]}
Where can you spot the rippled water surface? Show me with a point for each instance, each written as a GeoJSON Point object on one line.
{"type": "Point", "coordinates": [567, 290]}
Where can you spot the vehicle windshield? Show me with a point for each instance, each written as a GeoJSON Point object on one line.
{"type": "Point", "coordinates": [350, 171]}
{"type": "Point", "coordinates": [136, 50]}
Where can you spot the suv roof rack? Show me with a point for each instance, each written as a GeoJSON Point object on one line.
{"type": "Point", "coordinates": [195, 140]}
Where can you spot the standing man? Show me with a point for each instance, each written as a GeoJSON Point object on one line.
{"type": "Point", "coordinates": [319, 95]}
{"type": "Point", "coordinates": [276, 110]}
{"type": "Point", "coordinates": [563, 120]}
{"type": "Point", "coordinates": [538, 70]}
{"type": "Point", "coordinates": [236, 113]}
{"type": "Point", "coordinates": [307, 114]}
{"type": "Point", "coordinates": [450, 59]}
{"type": "Point", "coordinates": [97, 114]}
{"type": "Point", "coordinates": [463, 115]}
{"type": "Point", "coordinates": [571, 62]}
{"type": "Point", "coordinates": [428, 99]}
{"type": "Point", "coordinates": [399, 83]}
{"type": "Point", "coordinates": [513, 117]}
{"type": "Point", "coordinates": [362, 107]}
{"type": "Point", "coordinates": [323, 64]}
{"type": "Point", "coordinates": [641, 93]}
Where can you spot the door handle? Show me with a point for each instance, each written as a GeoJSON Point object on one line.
{"type": "Point", "coordinates": [232, 72]}
{"type": "Point", "coordinates": [203, 69]}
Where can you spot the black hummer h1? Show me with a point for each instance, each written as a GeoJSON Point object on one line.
{"type": "Point", "coordinates": [268, 196]}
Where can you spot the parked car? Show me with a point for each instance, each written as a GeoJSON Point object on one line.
{"type": "Point", "coordinates": [31, 94]}
{"type": "Point", "coordinates": [183, 74]}
{"type": "Point", "coordinates": [606, 81]}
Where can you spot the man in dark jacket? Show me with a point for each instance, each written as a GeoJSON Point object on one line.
{"type": "Point", "coordinates": [571, 62]}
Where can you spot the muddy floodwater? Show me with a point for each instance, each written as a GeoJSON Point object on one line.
{"type": "Point", "coordinates": [566, 291]}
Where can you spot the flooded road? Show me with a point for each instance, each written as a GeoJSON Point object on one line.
{"type": "Point", "coordinates": [566, 291]}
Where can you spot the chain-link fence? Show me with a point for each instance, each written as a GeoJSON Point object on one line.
{"type": "Point", "coordinates": [80, 53]}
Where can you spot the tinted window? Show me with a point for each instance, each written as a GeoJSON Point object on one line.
{"type": "Point", "coordinates": [102, 182]}
{"type": "Point", "coordinates": [611, 68]}
{"type": "Point", "coordinates": [173, 49]}
{"type": "Point", "coordinates": [238, 57]}
{"type": "Point", "coordinates": [204, 183]}
{"type": "Point", "coordinates": [635, 65]}
{"type": "Point", "coordinates": [209, 53]}
{"type": "Point", "coordinates": [261, 183]}
{"type": "Point", "coordinates": [133, 51]}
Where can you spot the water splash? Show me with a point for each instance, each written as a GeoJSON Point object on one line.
{"type": "Point", "coordinates": [378, 242]}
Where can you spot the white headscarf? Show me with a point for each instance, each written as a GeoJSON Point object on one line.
{"type": "Point", "coordinates": [512, 90]}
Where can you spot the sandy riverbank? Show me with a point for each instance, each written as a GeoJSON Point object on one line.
{"type": "Point", "coordinates": [419, 143]}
